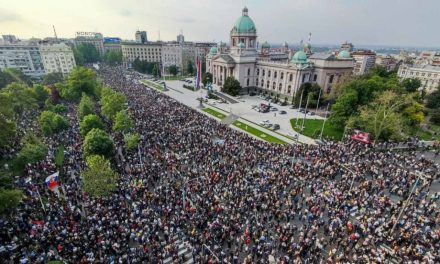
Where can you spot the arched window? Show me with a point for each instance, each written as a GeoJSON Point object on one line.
{"type": "Point", "coordinates": [274, 85]}
{"type": "Point", "coordinates": [258, 72]}
{"type": "Point", "coordinates": [268, 73]}
{"type": "Point", "coordinates": [268, 84]}
{"type": "Point", "coordinates": [289, 88]}
{"type": "Point", "coordinates": [280, 87]}
{"type": "Point", "coordinates": [247, 82]}
{"type": "Point", "coordinates": [263, 72]}
{"type": "Point", "coordinates": [282, 75]}
{"type": "Point", "coordinates": [331, 78]}
{"type": "Point", "coordinates": [256, 82]}
{"type": "Point", "coordinates": [249, 71]}
{"type": "Point", "coordinates": [275, 74]}
{"type": "Point", "coordinates": [291, 77]}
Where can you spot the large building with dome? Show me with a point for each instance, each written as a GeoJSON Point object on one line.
{"type": "Point", "coordinates": [277, 72]}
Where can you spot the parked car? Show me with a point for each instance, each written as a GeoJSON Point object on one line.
{"type": "Point", "coordinates": [283, 103]}
{"type": "Point", "coordinates": [292, 107]}
{"type": "Point", "coordinates": [312, 113]}
{"type": "Point", "coordinates": [268, 125]}
{"type": "Point", "coordinates": [252, 94]}
{"type": "Point", "coordinates": [276, 127]}
{"type": "Point", "coordinates": [282, 112]}
{"type": "Point", "coordinates": [273, 109]}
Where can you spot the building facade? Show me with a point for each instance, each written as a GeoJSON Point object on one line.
{"type": "Point", "coordinates": [364, 60]}
{"type": "Point", "coordinates": [141, 37]}
{"type": "Point", "coordinates": [150, 52]}
{"type": "Point", "coordinates": [92, 38]}
{"type": "Point", "coordinates": [387, 61]}
{"type": "Point", "coordinates": [429, 75]}
{"type": "Point", "coordinates": [23, 56]}
{"type": "Point", "coordinates": [274, 73]}
{"type": "Point", "coordinates": [112, 44]}
{"type": "Point", "coordinates": [57, 58]}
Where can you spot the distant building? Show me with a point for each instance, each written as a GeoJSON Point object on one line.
{"type": "Point", "coordinates": [141, 37]}
{"type": "Point", "coordinates": [93, 38]}
{"type": "Point", "coordinates": [364, 61]}
{"type": "Point", "coordinates": [272, 72]}
{"type": "Point", "coordinates": [436, 60]}
{"type": "Point", "coordinates": [24, 56]}
{"type": "Point", "coordinates": [386, 61]}
{"type": "Point", "coordinates": [151, 52]}
{"type": "Point", "coordinates": [57, 58]}
{"type": "Point", "coordinates": [428, 75]}
{"type": "Point", "coordinates": [9, 39]}
{"type": "Point", "coordinates": [112, 44]}
{"type": "Point", "coordinates": [180, 39]}
{"type": "Point", "coordinates": [172, 54]}
{"type": "Point", "coordinates": [347, 47]}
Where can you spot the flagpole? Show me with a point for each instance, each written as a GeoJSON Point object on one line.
{"type": "Point", "coordinates": [323, 124]}
{"type": "Point", "coordinates": [305, 111]}
{"type": "Point", "coordinates": [299, 107]}
{"type": "Point", "coordinates": [41, 201]}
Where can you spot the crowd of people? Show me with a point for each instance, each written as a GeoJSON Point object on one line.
{"type": "Point", "coordinates": [240, 200]}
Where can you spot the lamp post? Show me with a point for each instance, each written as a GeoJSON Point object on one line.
{"type": "Point", "coordinates": [319, 97]}
{"type": "Point", "coordinates": [323, 124]}
{"type": "Point", "coordinates": [305, 112]}
{"type": "Point", "coordinates": [299, 107]}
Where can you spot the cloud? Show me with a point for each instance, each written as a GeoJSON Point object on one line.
{"type": "Point", "coordinates": [8, 16]}
{"type": "Point", "coordinates": [125, 12]}
{"type": "Point", "coordinates": [186, 20]}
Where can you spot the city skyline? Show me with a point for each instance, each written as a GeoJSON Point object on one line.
{"type": "Point", "coordinates": [361, 23]}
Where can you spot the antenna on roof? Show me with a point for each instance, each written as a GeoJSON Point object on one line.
{"type": "Point", "coordinates": [54, 32]}
{"type": "Point", "coordinates": [159, 35]}
{"type": "Point", "coordinates": [310, 36]}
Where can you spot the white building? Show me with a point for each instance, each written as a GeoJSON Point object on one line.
{"type": "Point", "coordinates": [386, 61]}
{"type": "Point", "coordinates": [275, 73]}
{"type": "Point", "coordinates": [172, 54]}
{"type": "Point", "coordinates": [428, 75]}
{"type": "Point", "coordinates": [23, 56]}
{"type": "Point", "coordinates": [57, 57]}
{"type": "Point", "coordinates": [141, 37]}
{"type": "Point", "coordinates": [150, 52]}
{"type": "Point", "coordinates": [364, 61]}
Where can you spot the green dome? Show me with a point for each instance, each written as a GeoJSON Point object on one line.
{"type": "Point", "coordinates": [344, 55]}
{"type": "Point", "coordinates": [299, 57]}
{"type": "Point", "coordinates": [265, 45]}
{"type": "Point", "coordinates": [307, 46]}
{"type": "Point", "coordinates": [213, 50]}
{"type": "Point", "coordinates": [241, 45]}
{"type": "Point", "coordinates": [244, 24]}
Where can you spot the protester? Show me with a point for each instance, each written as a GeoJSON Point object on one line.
{"type": "Point", "coordinates": [243, 201]}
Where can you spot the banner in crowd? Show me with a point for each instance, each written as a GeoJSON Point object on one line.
{"type": "Point", "coordinates": [52, 180]}
{"type": "Point", "coordinates": [361, 136]}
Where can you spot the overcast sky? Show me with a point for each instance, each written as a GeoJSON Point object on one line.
{"type": "Point", "coordinates": [380, 22]}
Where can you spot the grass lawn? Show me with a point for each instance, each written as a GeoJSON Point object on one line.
{"type": "Point", "coordinates": [258, 133]}
{"type": "Point", "coordinates": [177, 77]}
{"type": "Point", "coordinates": [154, 85]}
{"type": "Point", "coordinates": [312, 128]}
{"type": "Point", "coordinates": [214, 113]}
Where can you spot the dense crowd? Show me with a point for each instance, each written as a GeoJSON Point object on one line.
{"type": "Point", "coordinates": [238, 201]}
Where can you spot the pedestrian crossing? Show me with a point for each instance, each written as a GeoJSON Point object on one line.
{"type": "Point", "coordinates": [184, 250]}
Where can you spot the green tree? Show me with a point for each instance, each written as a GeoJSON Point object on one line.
{"type": "Point", "coordinates": [98, 178]}
{"type": "Point", "coordinates": [156, 70]}
{"type": "Point", "coordinates": [87, 53]}
{"type": "Point", "coordinates": [190, 67]}
{"type": "Point", "coordinates": [80, 80]}
{"type": "Point", "coordinates": [22, 97]}
{"type": "Point", "coordinates": [8, 125]}
{"type": "Point", "coordinates": [345, 106]}
{"type": "Point", "coordinates": [97, 142]}
{"type": "Point", "coordinates": [41, 95]}
{"type": "Point", "coordinates": [113, 57]}
{"type": "Point", "coordinates": [206, 78]}
{"type": "Point", "coordinates": [173, 70]}
{"type": "Point", "coordinates": [411, 85]}
{"type": "Point", "coordinates": [413, 112]}
{"type": "Point", "coordinates": [131, 140]}
{"type": "Point", "coordinates": [16, 75]}
{"type": "Point", "coordinates": [9, 200]}
{"type": "Point", "coordinates": [90, 122]}
{"type": "Point", "coordinates": [53, 78]}
{"type": "Point", "coordinates": [232, 86]}
{"type": "Point", "coordinates": [51, 123]}
{"type": "Point", "coordinates": [111, 102]}
{"type": "Point", "coordinates": [33, 151]}
{"type": "Point", "coordinates": [433, 100]}
{"type": "Point", "coordinates": [435, 117]}
{"type": "Point", "coordinates": [306, 89]}
{"type": "Point", "coordinates": [79, 58]}
{"type": "Point", "coordinates": [86, 106]}
{"type": "Point", "coordinates": [123, 122]}
{"type": "Point", "coordinates": [382, 118]}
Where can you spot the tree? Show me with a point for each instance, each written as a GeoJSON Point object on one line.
{"type": "Point", "coordinates": [51, 123]}
{"type": "Point", "coordinates": [156, 70]}
{"type": "Point", "coordinates": [111, 102]}
{"type": "Point", "coordinates": [22, 97]}
{"type": "Point", "coordinates": [345, 106]}
{"type": "Point", "coordinates": [413, 112]}
{"type": "Point", "coordinates": [411, 85]}
{"type": "Point", "coordinates": [99, 180]}
{"type": "Point", "coordinates": [206, 78]}
{"type": "Point", "coordinates": [232, 86]}
{"type": "Point", "coordinates": [33, 151]}
{"type": "Point", "coordinates": [173, 70]}
{"type": "Point", "coordinates": [9, 199]}
{"type": "Point", "coordinates": [123, 122]}
{"type": "Point", "coordinates": [433, 100]}
{"type": "Point", "coordinates": [113, 57]}
{"type": "Point", "coordinates": [8, 125]}
{"type": "Point", "coordinates": [90, 122]}
{"type": "Point", "coordinates": [305, 89]}
{"type": "Point", "coordinates": [53, 78]}
{"type": "Point", "coordinates": [190, 67]}
{"type": "Point", "coordinates": [131, 140]}
{"type": "Point", "coordinates": [14, 75]}
{"type": "Point", "coordinates": [435, 117]}
{"type": "Point", "coordinates": [97, 142]}
{"type": "Point", "coordinates": [382, 118]}
{"type": "Point", "coordinates": [86, 106]}
{"type": "Point", "coordinates": [80, 80]}
{"type": "Point", "coordinates": [86, 53]}
{"type": "Point", "coordinates": [41, 95]}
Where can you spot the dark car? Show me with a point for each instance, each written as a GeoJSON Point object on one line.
{"type": "Point", "coordinates": [252, 94]}
{"type": "Point", "coordinates": [282, 112]}
{"type": "Point", "coordinates": [312, 113]}
{"type": "Point", "coordinates": [283, 104]}
{"type": "Point", "coordinates": [276, 127]}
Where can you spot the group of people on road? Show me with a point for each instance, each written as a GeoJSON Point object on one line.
{"type": "Point", "coordinates": [229, 198]}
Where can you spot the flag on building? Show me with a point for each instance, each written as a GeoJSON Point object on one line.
{"type": "Point", "coordinates": [52, 180]}
{"type": "Point", "coordinates": [199, 72]}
